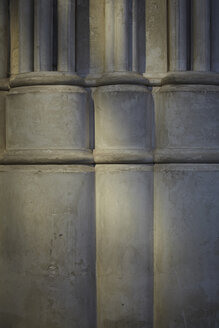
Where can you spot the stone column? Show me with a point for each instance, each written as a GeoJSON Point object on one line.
{"type": "Point", "coordinates": [43, 37]}
{"type": "Point", "coordinates": [178, 35]}
{"type": "Point", "coordinates": [47, 206]}
{"type": "Point", "coordinates": [156, 39]}
{"type": "Point", "coordinates": [3, 95]}
{"type": "Point", "coordinates": [121, 35]}
{"type": "Point", "coordinates": [109, 35]}
{"type": "Point", "coordinates": [201, 35]}
{"type": "Point", "coordinates": [214, 36]}
{"type": "Point", "coordinates": [124, 182]}
{"type": "Point", "coordinates": [185, 204]}
{"type": "Point", "coordinates": [109, 179]}
{"type": "Point", "coordinates": [66, 35]}
{"type": "Point", "coordinates": [135, 31]}
{"type": "Point", "coordinates": [123, 40]}
{"type": "Point", "coordinates": [4, 37]}
{"type": "Point", "coordinates": [4, 66]}
{"type": "Point", "coordinates": [21, 36]}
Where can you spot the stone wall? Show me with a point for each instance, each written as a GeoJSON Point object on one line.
{"type": "Point", "coordinates": [109, 163]}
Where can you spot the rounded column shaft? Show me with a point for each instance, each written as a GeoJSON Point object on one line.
{"type": "Point", "coordinates": [178, 38]}
{"type": "Point", "coordinates": [21, 36]}
{"type": "Point", "coordinates": [121, 35]}
{"type": "Point", "coordinates": [201, 35]}
{"type": "Point", "coordinates": [109, 35]}
{"type": "Point", "coordinates": [66, 35]}
{"type": "Point", "coordinates": [156, 36]}
{"type": "Point", "coordinates": [214, 36]}
{"type": "Point", "coordinates": [4, 22]}
{"type": "Point", "coordinates": [43, 35]}
{"type": "Point", "coordinates": [135, 35]}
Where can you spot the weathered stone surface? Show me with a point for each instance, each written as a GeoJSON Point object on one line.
{"type": "Point", "coordinates": [73, 60]}
{"type": "Point", "coordinates": [124, 223]}
{"type": "Point", "coordinates": [48, 117]}
{"type": "Point", "coordinates": [66, 35]}
{"type": "Point", "coordinates": [47, 247]}
{"type": "Point", "coordinates": [21, 27]}
{"type": "Point", "coordinates": [43, 35]}
{"type": "Point", "coordinates": [214, 36]}
{"type": "Point", "coordinates": [178, 35]}
{"type": "Point", "coordinates": [186, 245]}
{"type": "Point", "coordinates": [123, 122]}
{"type": "Point", "coordinates": [201, 35]}
{"type": "Point", "coordinates": [2, 120]}
{"type": "Point", "coordinates": [156, 36]}
{"type": "Point", "coordinates": [187, 121]}
{"type": "Point", "coordinates": [4, 36]}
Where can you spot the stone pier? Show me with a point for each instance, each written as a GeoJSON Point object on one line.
{"type": "Point", "coordinates": [109, 163]}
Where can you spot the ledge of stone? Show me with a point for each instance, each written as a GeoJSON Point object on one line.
{"type": "Point", "coordinates": [186, 155]}
{"type": "Point", "coordinates": [191, 77]}
{"type": "Point", "coordinates": [117, 156]}
{"type": "Point", "coordinates": [186, 167]}
{"type": "Point", "coordinates": [122, 156]}
{"type": "Point", "coordinates": [47, 168]}
{"type": "Point", "coordinates": [56, 156]}
{"type": "Point", "coordinates": [64, 78]}
{"type": "Point", "coordinates": [45, 78]}
{"type": "Point", "coordinates": [123, 167]}
{"type": "Point", "coordinates": [116, 78]}
{"type": "Point", "coordinates": [152, 79]}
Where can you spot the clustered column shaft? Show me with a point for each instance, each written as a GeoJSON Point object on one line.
{"type": "Point", "coordinates": [66, 35]}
